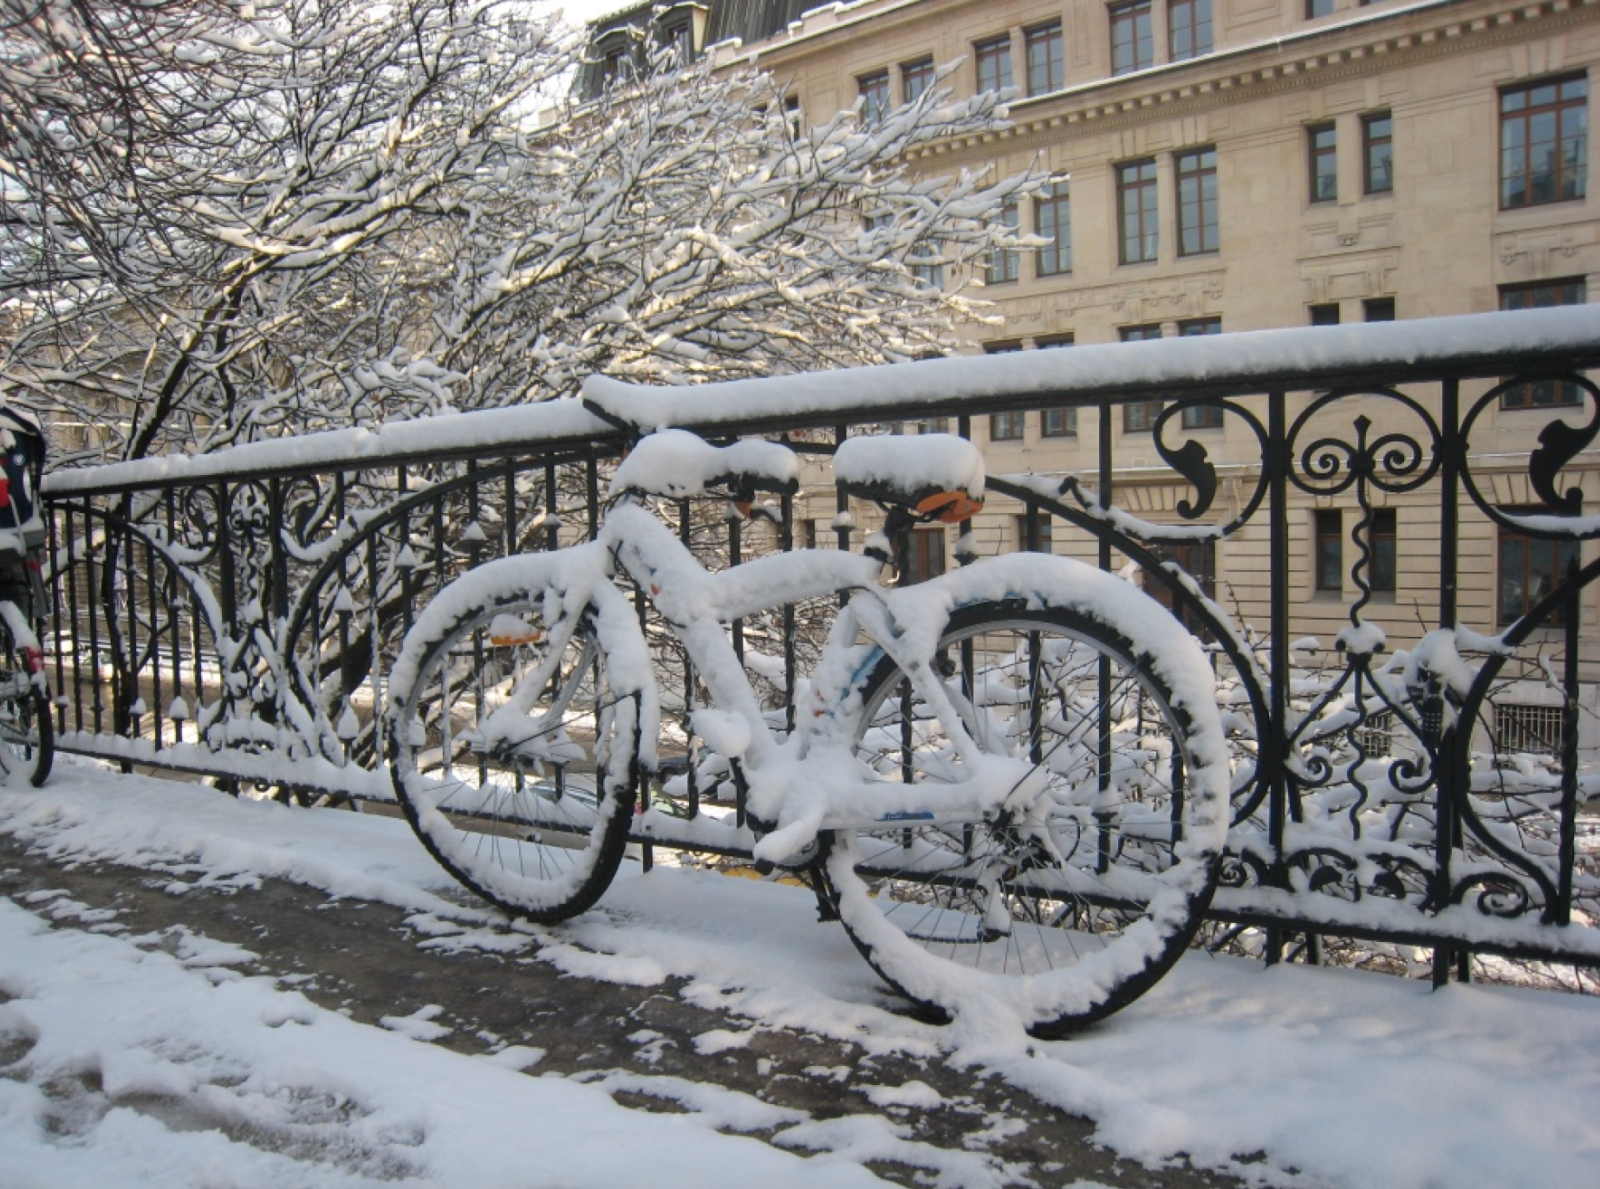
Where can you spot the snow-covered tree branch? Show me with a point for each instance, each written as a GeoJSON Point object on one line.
{"type": "Point", "coordinates": [222, 220]}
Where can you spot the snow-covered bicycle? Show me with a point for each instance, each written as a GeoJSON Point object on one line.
{"type": "Point", "coordinates": [1010, 783]}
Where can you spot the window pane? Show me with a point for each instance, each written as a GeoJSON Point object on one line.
{"type": "Point", "coordinates": [1004, 263]}
{"type": "Point", "coordinates": [1006, 427]}
{"type": "Point", "coordinates": [1046, 70]}
{"type": "Point", "coordinates": [1543, 295]}
{"type": "Point", "coordinates": [1543, 142]}
{"type": "Point", "coordinates": [1530, 569]}
{"type": "Point", "coordinates": [1188, 28]}
{"type": "Point", "coordinates": [1377, 135]}
{"type": "Point", "coordinates": [1136, 188]}
{"type": "Point", "coordinates": [874, 91]}
{"type": "Point", "coordinates": [1381, 539]}
{"type": "Point", "coordinates": [1132, 37]}
{"type": "Point", "coordinates": [1197, 202]}
{"type": "Point", "coordinates": [915, 78]}
{"type": "Point", "coordinates": [1053, 221]}
{"type": "Point", "coordinates": [993, 59]}
{"type": "Point", "coordinates": [1324, 163]}
{"type": "Point", "coordinates": [1330, 551]}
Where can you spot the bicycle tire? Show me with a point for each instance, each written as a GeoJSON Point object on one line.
{"type": "Point", "coordinates": [27, 731]}
{"type": "Point", "coordinates": [1068, 916]}
{"type": "Point", "coordinates": [531, 812]}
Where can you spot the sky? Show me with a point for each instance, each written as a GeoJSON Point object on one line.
{"type": "Point", "coordinates": [1289, 1076]}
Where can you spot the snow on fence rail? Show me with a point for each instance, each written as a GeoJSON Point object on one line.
{"type": "Point", "coordinates": [1377, 530]}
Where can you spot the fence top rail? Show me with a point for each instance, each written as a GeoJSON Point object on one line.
{"type": "Point", "coordinates": [1390, 353]}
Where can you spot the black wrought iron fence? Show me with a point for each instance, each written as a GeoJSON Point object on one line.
{"type": "Point", "coordinates": [1378, 532]}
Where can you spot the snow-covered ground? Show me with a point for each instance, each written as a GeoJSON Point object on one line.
{"type": "Point", "coordinates": [1285, 1077]}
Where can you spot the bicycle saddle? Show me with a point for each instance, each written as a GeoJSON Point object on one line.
{"type": "Point", "coordinates": [938, 475]}
{"type": "Point", "coordinates": [677, 464]}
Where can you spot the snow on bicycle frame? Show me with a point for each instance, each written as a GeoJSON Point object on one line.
{"type": "Point", "coordinates": [1026, 819]}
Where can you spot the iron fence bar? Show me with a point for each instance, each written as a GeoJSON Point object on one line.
{"type": "Point", "coordinates": [1276, 464]}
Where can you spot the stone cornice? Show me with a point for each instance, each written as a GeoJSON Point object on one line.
{"type": "Point", "coordinates": [1323, 54]}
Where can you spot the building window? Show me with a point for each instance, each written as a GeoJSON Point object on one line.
{"type": "Point", "coordinates": [1036, 537]}
{"type": "Point", "coordinates": [1198, 559]}
{"type": "Point", "coordinates": [1330, 552]}
{"type": "Point", "coordinates": [924, 555]}
{"type": "Point", "coordinates": [1136, 211]}
{"type": "Point", "coordinates": [1375, 734]}
{"type": "Point", "coordinates": [1188, 28]}
{"type": "Point", "coordinates": [934, 425]}
{"type": "Point", "coordinates": [1539, 730]}
{"type": "Point", "coordinates": [1543, 142]}
{"type": "Point", "coordinates": [1530, 568]}
{"type": "Point", "coordinates": [1053, 221]}
{"type": "Point", "coordinates": [616, 64]}
{"type": "Point", "coordinates": [1140, 416]}
{"type": "Point", "coordinates": [993, 59]}
{"type": "Point", "coordinates": [1323, 141]}
{"type": "Point", "coordinates": [1058, 422]}
{"type": "Point", "coordinates": [1326, 314]}
{"type": "Point", "coordinates": [927, 262]}
{"type": "Point", "coordinates": [915, 78]}
{"type": "Point", "coordinates": [1540, 394]}
{"type": "Point", "coordinates": [1377, 153]}
{"type": "Point", "coordinates": [1197, 202]}
{"type": "Point", "coordinates": [1383, 536]}
{"type": "Point", "coordinates": [677, 35]}
{"type": "Point", "coordinates": [1318, 8]}
{"type": "Point", "coordinates": [1201, 416]}
{"type": "Point", "coordinates": [1005, 263]}
{"type": "Point", "coordinates": [1378, 309]}
{"type": "Point", "coordinates": [1002, 347]}
{"type": "Point", "coordinates": [1007, 427]}
{"type": "Point", "coordinates": [1133, 44]}
{"type": "Point", "coordinates": [874, 92]}
{"type": "Point", "coordinates": [1046, 69]}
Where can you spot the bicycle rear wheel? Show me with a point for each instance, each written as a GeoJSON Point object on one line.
{"type": "Point", "coordinates": [27, 732]}
{"type": "Point", "coordinates": [1067, 911]}
{"type": "Point", "coordinates": [514, 756]}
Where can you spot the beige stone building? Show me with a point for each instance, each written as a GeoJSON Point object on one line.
{"type": "Point", "coordinates": [1233, 165]}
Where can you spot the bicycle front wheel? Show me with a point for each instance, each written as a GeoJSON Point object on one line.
{"type": "Point", "coordinates": [514, 756]}
{"type": "Point", "coordinates": [1066, 910]}
{"type": "Point", "coordinates": [27, 732]}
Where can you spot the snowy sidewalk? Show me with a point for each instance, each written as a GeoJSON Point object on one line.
{"type": "Point", "coordinates": [1284, 1077]}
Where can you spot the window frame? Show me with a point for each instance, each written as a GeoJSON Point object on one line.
{"type": "Point", "coordinates": [1054, 63]}
{"type": "Point", "coordinates": [872, 89]}
{"type": "Point", "coordinates": [920, 71]}
{"type": "Point", "coordinates": [1383, 549]}
{"type": "Point", "coordinates": [1543, 394]}
{"type": "Point", "coordinates": [1323, 160]}
{"type": "Point", "coordinates": [1523, 116]}
{"type": "Point", "coordinates": [1055, 258]}
{"type": "Point", "coordinates": [1145, 216]}
{"type": "Point", "coordinates": [1009, 426]}
{"type": "Point", "coordinates": [993, 52]}
{"type": "Point", "coordinates": [1004, 266]}
{"type": "Point", "coordinates": [1327, 554]}
{"type": "Point", "coordinates": [1140, 416]}
{"type": "Point", "coordinates": [1196, 176]}
{"type": "Point", "coordinates": [1371, 146]}
{"type": "Point", "coordinates": [1132, 36]}
{"type": "Point", "coordinates": [924, 554]}
{"type": "Point", "coordinates": [1193, 18]}
{"type": "Point", "coordinates": [1552, 568]}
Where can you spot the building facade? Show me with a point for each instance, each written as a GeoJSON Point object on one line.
{"type": "Point", "coordinates": [1229, 165]}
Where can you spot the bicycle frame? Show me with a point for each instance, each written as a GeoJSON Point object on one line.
{"type": "Point", "coordinates": [697, 604]}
